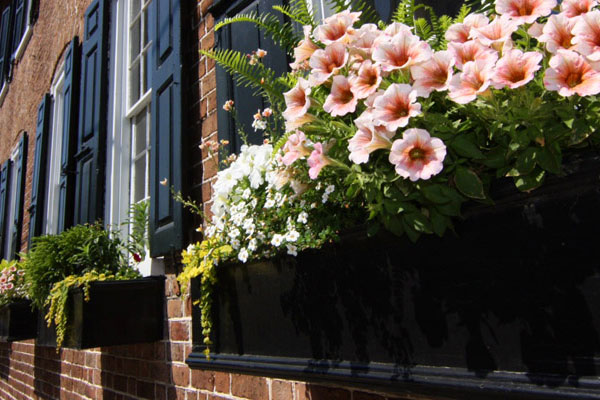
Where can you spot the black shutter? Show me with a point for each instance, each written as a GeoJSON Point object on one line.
{"type": "Point", "coordinates": [166, 231]}
{"type": "Point", "coordinates": [19, 24]}
{"type": "Point", "coordinates": [40, 163]}
{"type": "Point", "coordinates": [246, 38]}
{"type": "Point", "coordinates": [69, 135]}
{"type": "Point", "coordinates": [20, 164]}
{"type": "Point", "coordinates": [91, 144]}
{"type": "Point", "coordinates": [5, 47]}
{"type": "Point", "coordinates": [4, 189]}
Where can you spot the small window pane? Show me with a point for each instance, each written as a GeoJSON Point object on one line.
{"type": "Point", "coordinates": [135, 39]}
{"type": "Point", "coordinates": [140, 133]}
{"type": "Point", "coordinates": [140, 179]}
{"type": "Point", "coordinates": [134, 82]}
{"type": "Point", "coordinates": [145, 42]}
{"type": "Point", "coordinates": [135, 7]}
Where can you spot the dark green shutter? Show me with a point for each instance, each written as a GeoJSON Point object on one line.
{"type": "Point", "coordinates": [40, 163]}
{"type": "Point", "coordinates": [4, 189]}
{"type": "Point", "coordinates": [19, 24]}
{"type": "Point", "coordinates": [5, 47]}
{"type": "Point", "coordinates": [166, 231]}
{"type": "Point", "coordinates": [69, 135]}
{"type": "Point", "coordinates": [90, 159]}
{"type": "Point", "coordinates": [20, 164]}
{"type": "Point", "coordinates": [246, 38]}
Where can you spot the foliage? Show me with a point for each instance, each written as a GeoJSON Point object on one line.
{"type": "Point", "coordinates": [12, 282]}
{"type": "Point", "coordinates": [137, 222]}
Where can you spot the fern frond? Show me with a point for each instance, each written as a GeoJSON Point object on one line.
{"type": "Point", "coordinates": [423, 29]}
{"type": "Point", "coordinates": [369, 15]}
{"type": "Point", "coordinates": [462, 13]}
{"type": "Point", "coordinates": [406, 11]}
{"type": "Point", "coordinates": [298, 11]}
{"type": "Point", "coordinates": [256, 76]}
{"type": "Point", "coordinates": [282, 34]}
{"type": "Point", "coordinates": [481, 6]}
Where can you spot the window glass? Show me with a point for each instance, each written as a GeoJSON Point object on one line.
{"type": "Point", "coordinates": [139, 46]}
{"type": "Point", "coordinates": [11, 207]}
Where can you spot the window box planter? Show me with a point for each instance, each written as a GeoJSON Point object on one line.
{"type": "Point", "coordinates": [118, 312]}
{"type": "Point", "coordinates": [509, 307]}
{"type": "Point", "coordinates": [17, 321]}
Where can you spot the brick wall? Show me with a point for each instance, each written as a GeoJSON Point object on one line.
{"type": "Point", "coordinates": [152, 370]}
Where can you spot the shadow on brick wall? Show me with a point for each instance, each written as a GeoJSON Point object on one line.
{"type": "Point", "coordinates": [4, 360]}
{"type": "Point", "coordinates": [46, 372]}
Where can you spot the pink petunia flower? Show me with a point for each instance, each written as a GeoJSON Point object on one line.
{"type": "Point", "coordinates": [417, 155]}
{"type": "Point", "coordinates": [401, 51]}
{"type": "Point", "coordinates": [525, 11]}
{"type": "Point", "coordinates": [516, 68]}
{"type": "Point", "coordinates": [574, 8]}
{"type": "Point", "coordinates": [367, 139]}
{"type": "Point", "coordinates": [297, 101]}
{"type": "Point", "coordinates": [305, 48]}
{"type": "Point", "coordinates": [434, 74]}
{"type": "Point", "coordinates": [471, 51]}
{"type": "Point", "coordinates": [317, 160]}
{"type": "Point", "coordinates": [459, 32]}
{"type": "Point", "coordinates": [335, 29]}
{"type": "Point", "coordinates": [367, 81]}
{"type": "Point", "coordinates": [341, 100]}
{"type": "Point", "coordinates": [364, 40]}
{"type": "Point", "coordinates": [295, 148]}
{"type": "Point", "coordinates": [396, 106]}
{"type": "Point", "coordinates": [326, 62]}
{"type": "Point", "coordinates": [496, 32]}
{"type": "Point", "coordinates": [473, 80]}
{"type": "Point", "coordinates": [587, 35]}
{"type": "Point", "coordinates": [570, 74]}
{"type": "Point", "coordinates": [557, 33]}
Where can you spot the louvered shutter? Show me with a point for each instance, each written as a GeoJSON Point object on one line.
{"type": "Point", "coordinates": [40, 164]}
{"type": "Point", "coordinates": [5, 34]}
{"type": "Point", "coordinates": [4, 189]}
{"type": "Point", "coordinates": [90, 159]}
{"type": "Point", "coordinates": [246, 38]}
{"type": "Point", "coordinates": [19, 24]}
{"type": "Point", "coordinates": [20, 164]}
{"type": "Point", "coordinates": [166, 231]}
{"type": "Point", "coordinates": [69, 135]}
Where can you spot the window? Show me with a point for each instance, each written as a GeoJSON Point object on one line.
{"type": "Point", "coordinates": [12, 176]}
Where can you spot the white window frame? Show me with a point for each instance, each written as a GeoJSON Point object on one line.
{"type": "Point", "coordinates": [321, 11]}
{"type": "Point", "coordinates": [11, 203]}
{"type": "Point", "coordinates": [120, 144]}
{"type": "Point", "coordinates": [50, 220]}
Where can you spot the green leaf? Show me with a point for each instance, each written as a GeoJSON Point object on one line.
{"type": "Point", "coordinates": [418, 222]}
{"type": "Point", "coordinates": [410, 232]}
{"type": "Point", "coordinates": [548, 160]}
{"type": "Point", "coordinates": [394, 225]}
{"type": "Point", "coordinates": [469, 183]}
{"type": "Point", "coordinates": [496, 158]}
{"type": "Point", "coordinates": [526, 161]}
{"type": "Point", "coordinates": [439, 222]}
{"type": "Point", "coordinates": [435, 193]}
{"type": "Point", "coordinates": [393, 207]}
{"type": "Point", "coordinates": [353, 190]}
{"type": "Point", "coordinates": [529, 182]}
{"type": "Point", "coordinates": [466, 148]}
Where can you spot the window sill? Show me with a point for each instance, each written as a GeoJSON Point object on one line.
{"type": "Point", "coordinates": [152, 267]}
{"type": "Point", "coordinates": [3, 92]}
{"type": "Point", "coordinates": [23, 45]}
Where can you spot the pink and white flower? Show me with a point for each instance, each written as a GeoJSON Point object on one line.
{"type": "Point", "coordinates": [587, 35]}
{"type": "Point", "coordinates": [317, 160]}
{"type": "Point", "coordinates": [396, 106]}
{"type": "Point", "coordinates": [557, 33]}
{"type": "Point", "coordinates": [417, 155]}
{"type": "Point", "coordinates": [434, 74]}
{"type": "Point", "coordinates": [471, 51]}
{"type": "Point", "coordinates": [367, 81]}
{"type": "Point", "coordinates": [367, 139]}
{"type": "Point", "coordinates": [327, 62]}
{"type": "Point", "coordinates": [396, 28]}
{"type": "Point", "coordinates": [401, 51]}
{"type": "Point", "coordinates": [297, 101]}
{"type": "Point", "coordinates": [525, 11]}
{"type": "Point", "coordinates": [516, 68]}
{"type": "Point", "coordinates": [496, 32]}
{"type": "Point", "coordinates": [335, 29]}
{"type": "Point", "coordinates": [305, 48]}
{"type": "Point", "coordinates": [364, 40]}
{"type": "Point", "coordinates": [459, 32]}
{"type": "Point", "coordinates": [341, 100]}
{"type": "Point", "coordinates": [570, 74]}
{"type": "Point", "coordinates": [296, 147]}
{"type": "Point", "coordinates": [574, 8]}
{"type": "Point", "coordinates": [472, 81]}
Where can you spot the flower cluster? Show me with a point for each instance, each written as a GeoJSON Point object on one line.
{"type": "Point", "coordinates": [12, 282]}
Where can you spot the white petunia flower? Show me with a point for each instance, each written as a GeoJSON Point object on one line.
{"type": "Point", "coordinates": [252, 244]}
{"type": "Point", "coordinates": [277, 240]}
{"type": "Point", "coordinates": [269, 203]}
{"type": "Point", "coordinates": [325, 198]}
{"type": "Point", "coordinates": [246, 194]}
{"type": "Point", "coordinates": [303, 217]}
{"type": "Point", "coordinates": [329, 189]}
{"type": "Point", "coordinates": [292, 250]}
{"type": "Point", "coordinates": [243, 255]}
{"type": "Point", "coordinates": [234, 233]}
{"type": "Point", "coordinates": [292, 236]}
{"type": "Point", "coordinates": [235, 243]}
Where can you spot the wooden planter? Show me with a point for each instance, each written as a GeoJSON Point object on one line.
{"type": "Point", "coordinates": [17, 321]}
{"type": "Point", "coordinates": [118, 312]}
{"type": "Point", "coordinates": [509, 307]}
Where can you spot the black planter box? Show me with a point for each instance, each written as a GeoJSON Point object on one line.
{"type": "Point", "coordinates": [17, 321]}
{"type": "Point", "coordinates": [118, 312]}
{"type": "Point", "coordinates": [509, 307]}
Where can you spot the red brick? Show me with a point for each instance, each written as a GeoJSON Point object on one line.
{"type": "Point", "coordinates": [179, 331]}
{"type": "Point", "coordinates": [181, 375]}
{"type": "Point", "coordinates": [281, 390]}
{"type": "Point", "coordinates": [145, 390]}
{"type": "Point", "coordinates": [222, 382]}
{"type": "Point", "coordinates": [204, 380]}
{"type": "Point", "coordinates": [327, 393]}
{"type": "Point", "coordinates": [176, 352]}
{"type": "Point", "coordinates": [250, 387]}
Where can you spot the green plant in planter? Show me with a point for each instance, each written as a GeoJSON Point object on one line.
{"type": "Point", "coordinates": [12, 282]}
{"type": "Point", "coordinates": [73, 258]}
